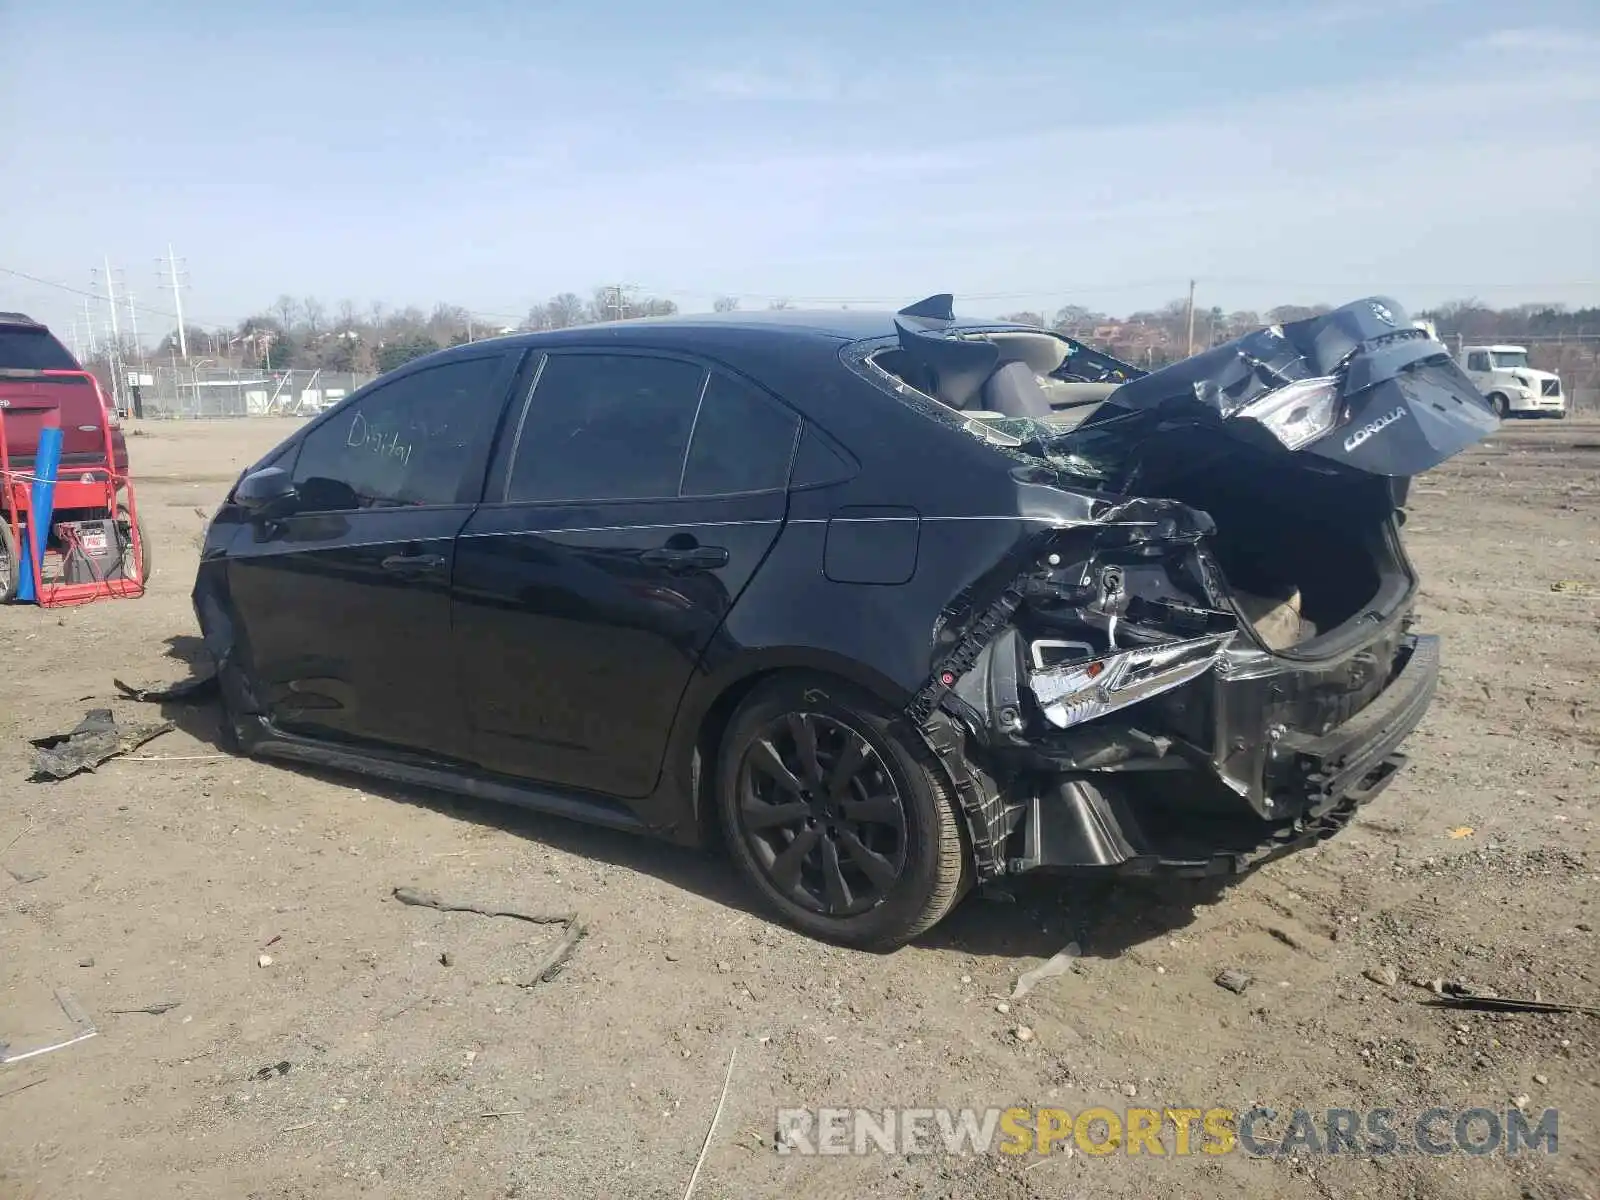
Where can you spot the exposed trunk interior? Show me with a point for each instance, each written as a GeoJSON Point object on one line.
{"type": "Point", "coordinates": [1304, 547]}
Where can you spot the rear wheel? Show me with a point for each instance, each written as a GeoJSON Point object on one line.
{"type": "Point", "coordinates": [125, 539]}
{"type": "Point", "coordinates": [838, 815]}
{"type": "Point", "coordinates": [10, 563]}
{"type": "Point", "coordinates": [1501, 406]}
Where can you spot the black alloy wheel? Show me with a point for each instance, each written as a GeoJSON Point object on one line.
{"type": "Point", "coordinates": [838, 813]}
{"type": "Point", "coordinates": [821, 814]}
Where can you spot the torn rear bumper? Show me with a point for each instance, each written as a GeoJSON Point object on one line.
{"type": "Point", "coordinates": [1108, 821]}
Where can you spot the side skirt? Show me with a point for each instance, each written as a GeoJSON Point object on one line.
{"type": "Point", "coordinates": [264, 741]}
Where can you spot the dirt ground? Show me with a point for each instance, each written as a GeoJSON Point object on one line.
{"type": "Point", "coordinates": [358, 1063]}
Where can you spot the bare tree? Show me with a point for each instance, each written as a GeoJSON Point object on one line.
{"type": "Point", "coordinates": [564, 310]}
{"type": "Point", "coordinates": [1074, 318]}
{"type": "Point", "coordinates": [286, 310]}
{"type": "Point", "coordinates": [448, 322]}
{"type": "Point", "coordinates": [725, 304]}
{"type": "Point", "coordinates": [314, 315]}
{"type": "Point", "coordinates": [779, 305]}
{"type": "Point", "coordinates": [1024, 318]}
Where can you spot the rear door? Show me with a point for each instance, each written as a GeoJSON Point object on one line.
{"type": "Point", "coordinates": [630, 504]}
{"type": "Point", "coordinates": [345, 605]}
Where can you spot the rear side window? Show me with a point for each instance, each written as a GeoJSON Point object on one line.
{"type": "Point", "coordinates": [743, 442]}
{"type": "Point", "coordinates": [33, 350]}
{"type": "Point", "coordinates": [605, 427]}
{"type": "Point", "coordinates": [412, 440]}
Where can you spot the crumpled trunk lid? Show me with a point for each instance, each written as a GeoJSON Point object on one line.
{"type": "Point", "coordinates": [1401, 405]}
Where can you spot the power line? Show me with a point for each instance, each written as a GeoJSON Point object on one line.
{"type": "Point", "coordinates": [100, 296]}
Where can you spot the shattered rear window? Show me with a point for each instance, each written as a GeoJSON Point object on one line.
{"type": "Point", "coordinates": [1091, 455]}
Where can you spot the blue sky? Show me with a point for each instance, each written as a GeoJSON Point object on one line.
{"type": "Point", "coordinates": [1022, 155]}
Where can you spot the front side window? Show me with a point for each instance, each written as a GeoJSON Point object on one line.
{"type": "Point", "coordinates": [407, 442]}
{"type": "Point", "coordinates": [1478, 360]}
{"type": "Point", "coordinates": [605, 427]}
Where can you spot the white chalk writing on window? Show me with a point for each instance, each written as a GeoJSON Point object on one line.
{"type": "Point", "coordinates": [373, 439]}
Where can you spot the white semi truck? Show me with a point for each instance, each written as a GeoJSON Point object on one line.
{"type": "Point", "coordinates": [1514, 388]}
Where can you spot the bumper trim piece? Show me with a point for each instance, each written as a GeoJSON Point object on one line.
{"type": "Point", "coordinates": [1346, 756]}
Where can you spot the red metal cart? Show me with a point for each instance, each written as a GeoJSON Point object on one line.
{"type": "Point", "coordinates": [97, 488]}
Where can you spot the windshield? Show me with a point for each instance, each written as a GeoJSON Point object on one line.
{"type": "Point", "coordinates": [1508, 360]}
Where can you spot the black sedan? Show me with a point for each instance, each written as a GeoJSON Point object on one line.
{"type": "Point", "coordinates": [901, 602]}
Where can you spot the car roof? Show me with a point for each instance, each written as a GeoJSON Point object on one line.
{"type": "Point", "coordinates": [685, 331]}
{"type": "Point", "coordinates": [22, 319]}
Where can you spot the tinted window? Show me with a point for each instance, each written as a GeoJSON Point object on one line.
{"type": "Point", "coordinates": [605, 427]}
{"type": "Point", "coordinates": [33, 350]}
{"type": "Point", "coordinates": [742, 442]}
{"type": "Point", "coordinates": [816, 463]}
{"type": "Point", "coordinates": [410, 441]}
{"type": "Point", "coordinates": [1477, 361]}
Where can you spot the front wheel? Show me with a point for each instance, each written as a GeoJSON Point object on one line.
{"type": "Point", "coordinates": [1501, 406]}
{"type": "Point", "coordinates": [838, 815]}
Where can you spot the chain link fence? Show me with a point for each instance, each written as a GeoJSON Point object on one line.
{"type": "Point", "coordinates": [175, 392]}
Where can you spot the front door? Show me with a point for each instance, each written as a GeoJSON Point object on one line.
{"type": "Point", "coordinates": [635, 499]}
{"type": "Point", "coordinates": [345, 604]}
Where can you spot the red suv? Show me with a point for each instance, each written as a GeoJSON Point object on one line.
{"type": "Point", "coordinates": [27, 351]}
{"type": "Point", "coordinates": [42, 385]}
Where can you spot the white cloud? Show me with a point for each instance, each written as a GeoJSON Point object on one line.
{"type": "Point", "coordinates": [1538, 40]}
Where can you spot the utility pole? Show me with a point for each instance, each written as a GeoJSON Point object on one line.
{"type": "Point", "coordinates": [133, 322]}
{"type": "Point", "coordinates": [620, 291]}
{"type": "Point", "coordinates": [111, 302]}
{"type": "Point", "coordinates": [177, 301]}
{"type": "Point", "coordinates": [88, 329]}
{"type": "Point", "coordinates": [1190, 349]}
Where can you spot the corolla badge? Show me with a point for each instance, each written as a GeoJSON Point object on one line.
{"type": "Point", "coordinates": [1383, 313]}
{"type": "Point", "coordinates": [1372, 429]}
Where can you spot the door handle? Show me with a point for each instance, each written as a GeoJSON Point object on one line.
{"type": "Point", "coordinates": [686, 558]}
{"type": "Point", "coordinates": [414, 564]}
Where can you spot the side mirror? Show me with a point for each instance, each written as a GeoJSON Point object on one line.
{"type": "Point", "coordinates": [264, 492]}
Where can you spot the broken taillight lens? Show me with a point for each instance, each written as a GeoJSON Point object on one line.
{"type": "Point", "coordinates": [1077, 692]}
{"type": "Point", "coordinates": [1298, 413]}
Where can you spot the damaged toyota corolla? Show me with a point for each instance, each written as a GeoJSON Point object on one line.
{"type": "Point", "coordinates": [900, 602]}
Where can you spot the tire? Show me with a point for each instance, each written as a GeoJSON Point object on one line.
{"type": "Point", "coordinates": [1501, 406]}
{"type": "Point", "coordinates": [144, 546]}
{"type": "Point", "coordinates": [887, 835]}
{"type": "Point", "coordinates": [10, 563]}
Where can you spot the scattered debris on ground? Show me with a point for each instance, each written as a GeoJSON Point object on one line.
{"type": "Point", "coordinates": [549, 967]}
{"type": "Point", "coordinates": [80, 1022]}
{"type": "Point", "coordinates": [1051, 968]}
{"type": "Point", "coordinates": [1234, 979]}
{"type": "Point", "coordinates": [89, 743]}
{"type": "Point", "coordinates": [201, 687]}
{"type": "Point", "coordinates": [1484, 1003]}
